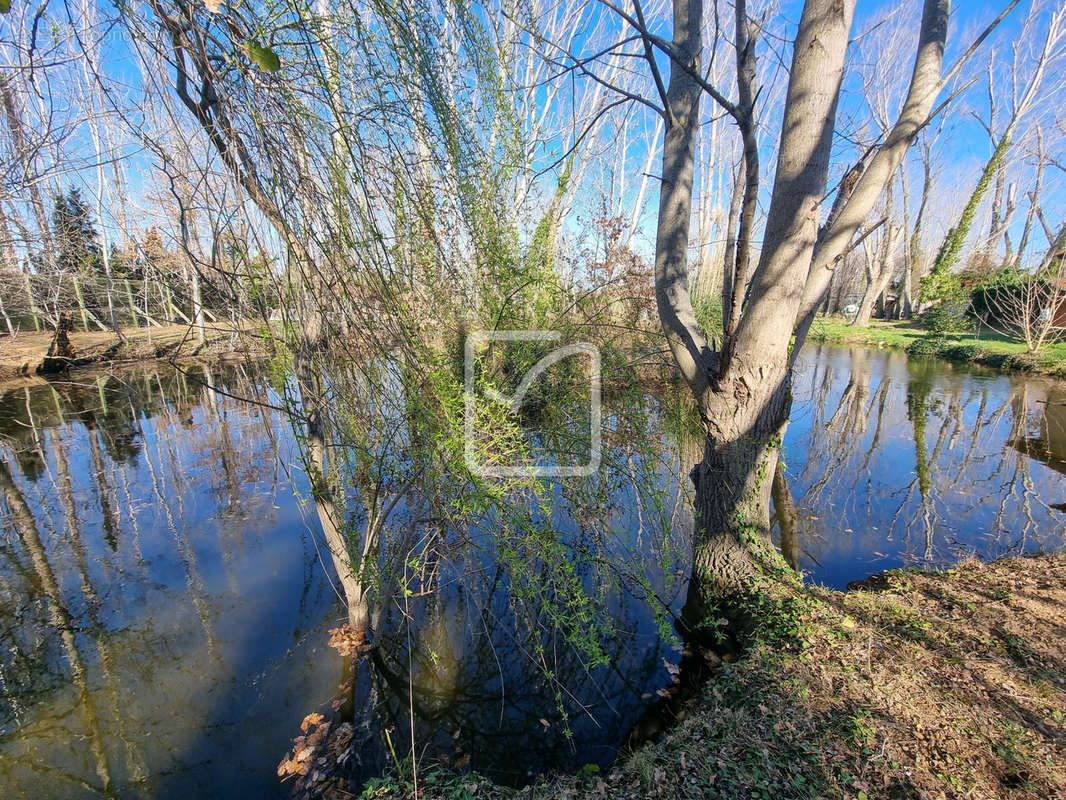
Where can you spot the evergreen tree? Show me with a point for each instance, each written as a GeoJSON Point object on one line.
{"type": "Point", "coordinates": [74, 231]}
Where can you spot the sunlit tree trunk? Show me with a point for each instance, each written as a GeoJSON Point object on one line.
{"type": "Point", "coordinates": [882, 268]}
{"type": "Point", "coordinates": [13, 115]}
{"type": "Point", "coordinates": [744, 397]}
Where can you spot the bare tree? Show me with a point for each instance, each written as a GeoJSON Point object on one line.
{"type": "Point", "coordinates": [1033, 307]}
{"type": "Point", "coordinates": [1025, 94]}
{"type": "Point", "coordinates": [743, 388]}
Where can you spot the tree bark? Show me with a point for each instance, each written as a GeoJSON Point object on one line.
{"type": "Point", "coordinates": [27, 159]}
{"type": "Point", "coordinates": [350, 572]}
{"type": "Point", "coordinates": [745, 398]}
{"type": "Point", "coordinates": [675, 201]}
{"type": "Point", "coordinates": [729, 266]}
{"type": "Point", "coordinates": [880, 277]}
{"type": "Point", "coordinates": [924, 87]}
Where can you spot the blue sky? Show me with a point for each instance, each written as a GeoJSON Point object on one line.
{"type": "Point", "coordinates": [964, 146]}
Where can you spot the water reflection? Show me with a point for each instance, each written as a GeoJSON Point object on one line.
{"type": "Point", "coordinates": [165, 596]}
{"type": "Point", "coordinates": [165, 604]}
{"type": "Point", "coordinates": [161, 603]}
{"type": "Point", "coordinates": [896, 462]}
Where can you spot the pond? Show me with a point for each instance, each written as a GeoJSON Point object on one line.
{"type": "Point", "coordinates": [165, 600]}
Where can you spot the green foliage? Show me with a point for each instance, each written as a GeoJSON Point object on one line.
{"type": "Point", "coordinates": [951, 247]}
{"type": "Point", "coordinates": [74, 231]}
{"type": "Point", "coordinates": [944, 319]}
{"type": "Point", "coordinates": [925, 346]}
{"type": "Point", "coordinates": [440, 784]}
{"type": "Point", "coordinates": [707, 306]}
{"type": "Point", "coordinates": [263, 56]}
{"type": "Point", "coordinates": [943, 284]}
{"type": "Point", "coordinates": [960, 352]}
{"type": "Point", "coordinates": [541, 255]}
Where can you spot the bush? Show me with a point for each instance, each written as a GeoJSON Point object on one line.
{"type": "Point", "coordinates": [945, 318]}
{"type": "Point", "coordinates": [926, 346]}
{"type": "Point", "coordinates": [707, 306]}
{"type": "Point", "coordinates": [960, 352]}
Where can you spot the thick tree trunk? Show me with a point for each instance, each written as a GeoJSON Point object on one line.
{"type": "Point", "coordinates": [733, 482]}
{"type": "Point", "coordinates": [746, 408]}
{"type": "Point", "coordinates": [744, 397]}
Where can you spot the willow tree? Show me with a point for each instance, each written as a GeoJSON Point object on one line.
{"type": "Point", "coordinates": [336, 125]}
{"type": "Point", "coordinates": [743, 387]}
{"type": "Point", "coordinates": [377, 144]}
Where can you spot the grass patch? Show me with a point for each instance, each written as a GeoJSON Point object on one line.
{"type": "Point", "coordinates": [987, 349]}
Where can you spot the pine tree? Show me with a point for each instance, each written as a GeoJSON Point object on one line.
{"type": "Point", "coordinates": [74, 231]}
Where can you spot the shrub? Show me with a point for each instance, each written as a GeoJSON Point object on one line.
{"type": "Point", "coordinates": [707, 306]}
{"type": "Point", "coordinates": [926, 346]}
{"type": "Point", "coordinates": [960, 352]}
{"type": "Point", "coordinates": [946, 318]}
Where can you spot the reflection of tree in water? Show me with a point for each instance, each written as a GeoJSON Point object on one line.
{"type": "Point", "coordinates": [74, 579]}
{"type": "Point", "coordinates": [61, 622]}
{"type": "Point", "coordinates": [1016, 481]}
{"type": "Point", "coordinates": [530, 624]}
{"type": "Point", "coordinates": [970, 487]}
{"type": "Point", "coordinates": [132, 462]}
{"type": "Point", "coordinates": [496, 684]}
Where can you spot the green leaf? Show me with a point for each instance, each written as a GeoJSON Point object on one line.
{"type": "Point", "coordinates": [5, 6]}
{"type": "Point", "coordinates": [263, 56]}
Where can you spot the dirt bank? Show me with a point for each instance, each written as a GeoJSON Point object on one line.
{"type": "Point", "coordinates": [20, 355]}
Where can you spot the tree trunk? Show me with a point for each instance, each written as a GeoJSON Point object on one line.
{"type": "Point", "coordinates": [7, 320]}
{"type": "Point", "coordinates": [744, 397]}
{"type": "Point", "coordinates": [924, 87]}
{"type": "Point", "coordinates": [34, 313]}
{"type": "Point", "coordinates": [880, 276]}
{"type": "Point", "coordinates": [733, 483]}
{"type": "Point", "coordinates": [675, 201]}
{"type": "Point", "coordinates": [12, 107]}
{"type": "Point", "coordinates": [351, 571]}
{"type": "Point", "coordinates": [746, 409]}
{"type": "Point", "coordinates": [729, 265]}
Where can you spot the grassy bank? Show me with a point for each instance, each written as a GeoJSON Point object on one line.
{"type": "Point", "coordinates": [928, 685]}
{"type": "Point", "coordinates": [989, 349]}
{"type": "Point", "coordinates": [20, 355]}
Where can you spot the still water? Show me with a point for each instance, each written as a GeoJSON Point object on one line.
{"type": "Point", "coordinates": [165, 599]}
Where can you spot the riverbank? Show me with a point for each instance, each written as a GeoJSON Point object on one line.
{"type": "Point", "coordinates": [22, 354]}
{"type": "Point", "coordinates": [929, 685]}
{"type": "Point", "coordinates": [989, 349]}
